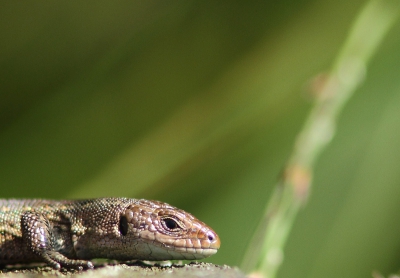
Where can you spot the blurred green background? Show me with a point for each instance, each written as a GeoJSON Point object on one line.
{"type": "Point", "coordinates": [197, 103]}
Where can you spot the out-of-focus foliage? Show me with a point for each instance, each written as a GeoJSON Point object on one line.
{"type": "Point", "coordinates": [197, 104]}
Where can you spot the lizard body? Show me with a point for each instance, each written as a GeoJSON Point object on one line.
{"type": "Point", "coordinates": [69, 233]}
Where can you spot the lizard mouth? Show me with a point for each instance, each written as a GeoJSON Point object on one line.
{"type": "Point", "coordinates": [196, 247]}
{"type": "Point", "coordinates": [180, 253]}
{"type": "Point", "coordinates": [163, 251]}
{"type": "Point", "coordinates": [196, 253]}
{"type": "Point", "coordinates": [199, 248]}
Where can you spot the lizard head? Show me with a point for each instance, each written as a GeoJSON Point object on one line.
{"type": "Point", "coordinates": [162, 232]}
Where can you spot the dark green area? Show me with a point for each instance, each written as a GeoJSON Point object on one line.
{"type": "Point", "coordinates": [197, 104]}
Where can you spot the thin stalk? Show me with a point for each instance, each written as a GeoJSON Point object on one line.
{"type": "Point", "coordinates": [265, 252]}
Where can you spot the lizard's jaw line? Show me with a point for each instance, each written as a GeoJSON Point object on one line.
{"type": "Point", "coordinates": [181, 253]}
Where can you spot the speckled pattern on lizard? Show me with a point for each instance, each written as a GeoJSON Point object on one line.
{"type": "Point", "coordinates": [69, 233]}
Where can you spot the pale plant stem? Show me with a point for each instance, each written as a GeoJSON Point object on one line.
{"type": "Point", "coordinates": [265, 252]}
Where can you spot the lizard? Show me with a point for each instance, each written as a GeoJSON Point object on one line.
{"type": "Point", "coordinates": [70, 233]}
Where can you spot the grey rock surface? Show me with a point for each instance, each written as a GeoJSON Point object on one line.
{"type": "Point", "coordinates": [131, 270]}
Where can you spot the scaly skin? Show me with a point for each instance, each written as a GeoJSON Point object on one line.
{"type": "Point", "coordinates": [69, 233]}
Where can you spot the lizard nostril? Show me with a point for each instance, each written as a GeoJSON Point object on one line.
{"type": "Point", "coordinates": [213, 240]}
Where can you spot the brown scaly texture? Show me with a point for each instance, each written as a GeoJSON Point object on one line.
{"type": "Point", "coordinates": [71, 232]}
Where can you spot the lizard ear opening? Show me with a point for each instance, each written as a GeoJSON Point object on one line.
{"type": "Point", "coordinates": [123, 225]}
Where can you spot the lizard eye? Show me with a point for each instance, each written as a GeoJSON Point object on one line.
{"type": "Point", "coordinates": [171, 224]}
